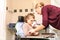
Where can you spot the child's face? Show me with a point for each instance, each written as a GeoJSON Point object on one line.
{"type": "Point", "coordinates": [30, 20]}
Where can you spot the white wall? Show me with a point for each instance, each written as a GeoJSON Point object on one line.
{"type": "Point", "coordinates": [55, 2]}
{"type": "Point", "coordinates": [2, 20]}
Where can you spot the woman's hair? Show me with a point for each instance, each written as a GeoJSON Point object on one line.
{"type": "Point", "coordinates": [28, 15]}
{"type": "Point", "coordinates": [41, 4]}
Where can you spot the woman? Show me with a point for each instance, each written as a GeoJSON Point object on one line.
{"type": "Point", "coordinates": [50, 15]}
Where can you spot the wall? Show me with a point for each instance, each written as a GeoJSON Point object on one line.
{"type": "Point", "coordinates": [22, 4]}
{"type": "Point", "coordinates": [55, 2]}
{"type": "Point", "coordinates": [2, 20]}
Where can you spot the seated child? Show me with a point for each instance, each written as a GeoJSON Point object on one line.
{"type": "Point", "coordinates": [27, 26]}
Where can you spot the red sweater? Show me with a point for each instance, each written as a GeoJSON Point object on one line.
{"type": "Point", "coordinates": [51, 15]}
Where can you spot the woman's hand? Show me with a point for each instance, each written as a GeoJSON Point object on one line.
{"type": "Point", "coordinates": [36, 33]}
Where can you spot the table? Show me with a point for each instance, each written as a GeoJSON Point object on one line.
{"type": "Point", "coordinates": [34, 38]}
{"type": "Point", "coordinates": [43, 36]}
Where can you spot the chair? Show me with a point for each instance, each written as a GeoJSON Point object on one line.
{"type": "Point", "coordinates": [18, 27]}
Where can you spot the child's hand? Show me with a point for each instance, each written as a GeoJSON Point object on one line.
{"type": "Point", "coordinates": [32, 31]}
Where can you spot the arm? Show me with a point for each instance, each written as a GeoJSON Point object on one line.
{"type": "Point", "coordinates": [45, 20]}
{"type": "Point", "coordinates": [26, 29]}
{"type": "Point", "coordinates": [40, 27]}
{"type": "Point", "coordinates": [45, 16]}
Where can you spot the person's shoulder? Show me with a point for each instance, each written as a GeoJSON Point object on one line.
{"type": "Point", "coordinates": [46, 6]}
{"type": "Point", "coordinates": [50, 6]}
{"type": "Point", "coordinates": [25, 23]}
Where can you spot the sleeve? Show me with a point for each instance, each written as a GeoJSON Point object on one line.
{"type": "Point", "coordinates": [25, 29]}
{"type": "Point", "coordinates": [45, 16]}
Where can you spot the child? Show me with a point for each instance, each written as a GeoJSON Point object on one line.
{"type": "Point", "coordinates": [27, 26]}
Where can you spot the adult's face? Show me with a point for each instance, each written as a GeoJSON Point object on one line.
{"type": "Point", "coordinates": [38, 10]}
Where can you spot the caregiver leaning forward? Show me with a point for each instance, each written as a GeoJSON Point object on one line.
{"type": "Point", "coordinates": [50, 15]}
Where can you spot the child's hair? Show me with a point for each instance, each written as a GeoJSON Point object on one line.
{"type": "Point", "coordinates": [41, 5]}
{"type": "Point", "coordinates": [28, 15]}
